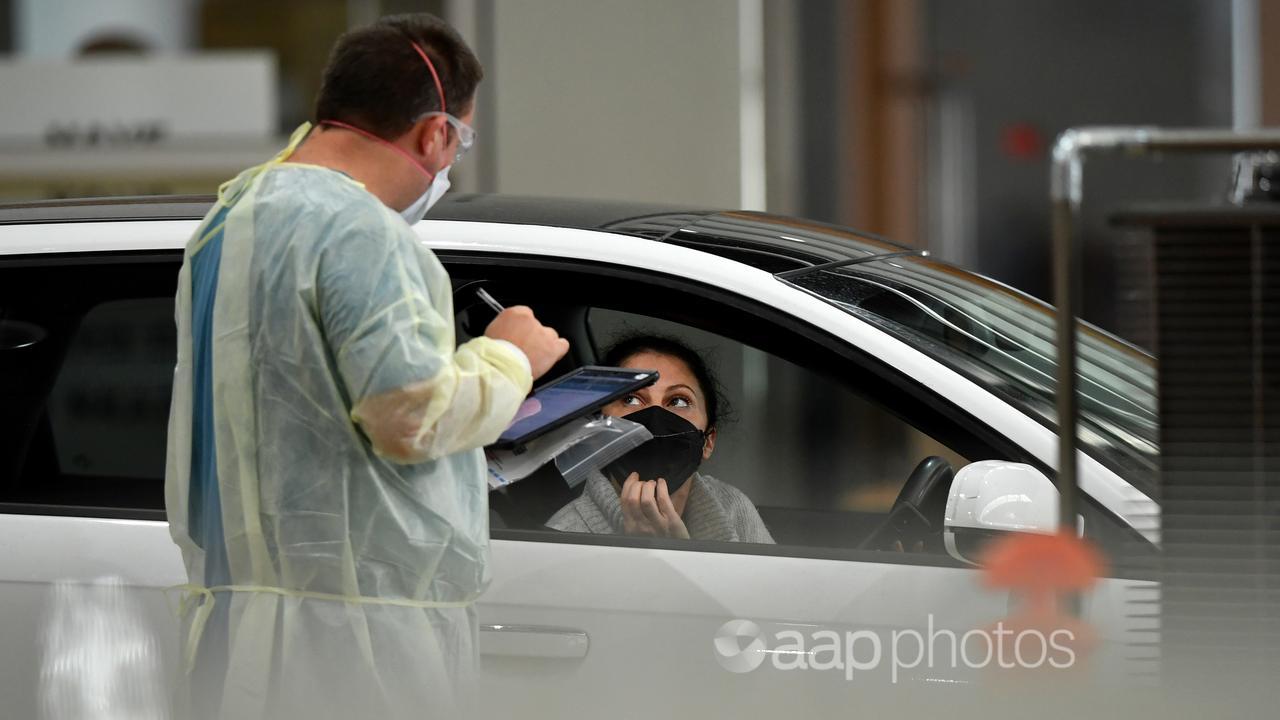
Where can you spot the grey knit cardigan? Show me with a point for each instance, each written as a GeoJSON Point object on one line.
{"type": "Point", "coordinates": [714, 511]}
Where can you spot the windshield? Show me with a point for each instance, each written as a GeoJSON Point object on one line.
{"type": "Point", "coordinates": [1005, 341]}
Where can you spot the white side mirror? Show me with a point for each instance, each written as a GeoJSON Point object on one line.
{"type": "Point", "coordinates": [992, 497]}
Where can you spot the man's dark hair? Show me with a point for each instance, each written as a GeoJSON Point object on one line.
{"type": "Point", "coordinates": [376, 81]}
{"type": "Point", "coordinates": [628, 347]}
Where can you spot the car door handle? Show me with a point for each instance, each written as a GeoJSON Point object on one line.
{"type": "Point", "coordinates": [538, 641]}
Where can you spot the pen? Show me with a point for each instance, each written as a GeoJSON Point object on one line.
{"type": "Point", "coordinates": [488, 300]}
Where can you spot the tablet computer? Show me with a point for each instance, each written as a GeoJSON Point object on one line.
{"type": "Point", "coordinates": [578, 393]}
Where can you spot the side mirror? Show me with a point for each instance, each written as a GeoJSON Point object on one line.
{"type": "Point", "coordinates": [993, 497]}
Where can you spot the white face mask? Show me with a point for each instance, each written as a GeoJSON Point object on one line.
{"type": "Point", "coordinates": [436, 190]}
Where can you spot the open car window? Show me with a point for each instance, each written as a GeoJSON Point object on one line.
{"type": "Point", "coordinates": [820, 441]}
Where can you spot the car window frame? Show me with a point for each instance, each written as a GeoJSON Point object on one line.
{"type": "Point", "coordinates": [835, 347]}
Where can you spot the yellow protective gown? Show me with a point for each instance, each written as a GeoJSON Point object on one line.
{"type": "Point", "coordinates": [325, 481]}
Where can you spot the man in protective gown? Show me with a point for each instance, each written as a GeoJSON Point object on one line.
{"type": "Point", "coordinates": [325, 478]}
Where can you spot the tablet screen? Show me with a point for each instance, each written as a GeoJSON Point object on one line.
{"type": "Point", "coordinates": [584, 389]}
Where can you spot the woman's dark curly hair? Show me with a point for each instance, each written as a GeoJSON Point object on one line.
{"type": "Point", "coordinates": [631, 345]}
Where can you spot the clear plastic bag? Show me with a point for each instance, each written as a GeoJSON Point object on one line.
{"type": "Point", "coordinates": [612, 437]}
{"type": "Point", "coordinates": [579, 447]}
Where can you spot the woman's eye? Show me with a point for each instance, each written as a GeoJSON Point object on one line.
{"type": "Point", "coordinates": [679, 402]}
{"type": "Point", "coordinates": [631, 400]}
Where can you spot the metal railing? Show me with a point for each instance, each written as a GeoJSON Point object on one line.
{"type": "Point", "coordinates": [1066, 193]}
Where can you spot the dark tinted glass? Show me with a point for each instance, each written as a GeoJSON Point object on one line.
{"type": "Point", "coordinates": [87, 352]}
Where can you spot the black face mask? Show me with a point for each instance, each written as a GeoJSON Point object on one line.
{"type": "Point", "coordinates": [673, 454]}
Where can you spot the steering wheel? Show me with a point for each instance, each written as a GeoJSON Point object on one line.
{"type": "Point", "coordinates": [918, 511]}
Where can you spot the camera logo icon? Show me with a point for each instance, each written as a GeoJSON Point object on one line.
{"type": "Point", "coordinates": [739, 646]}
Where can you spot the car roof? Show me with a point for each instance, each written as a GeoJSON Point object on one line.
{"type": "Point", "coordinates": [769, 242]}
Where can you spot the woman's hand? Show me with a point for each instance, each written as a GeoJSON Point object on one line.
{"type": "Point", "coordinates": [647, 509]}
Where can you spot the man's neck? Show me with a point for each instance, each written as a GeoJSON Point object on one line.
{"type": "Point", "coordinates": [384, 173]}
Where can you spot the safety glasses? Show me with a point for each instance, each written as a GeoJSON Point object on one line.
{"type": "Point", "coordinates": [466, 134]}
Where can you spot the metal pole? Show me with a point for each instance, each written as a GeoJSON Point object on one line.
{"type": "Point", "coordinates": [752, 189]}
{"type": "Point", "coordinates": [1066, 274]}
{"type": "Point", "coordinates": [1246, 65]}
{"type": "Point", "coordinates": [1066, 195]}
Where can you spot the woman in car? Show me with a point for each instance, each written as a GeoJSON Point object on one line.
{"type": "Point", "coordinates": [655, 490]}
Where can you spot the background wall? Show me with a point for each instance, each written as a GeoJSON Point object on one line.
{"type": "Point", "coordinates": [62, 28]}
{"type": "Point", "coordinates": [1010, 75]}
{"type": "Point", "coordinates": [617, 99]}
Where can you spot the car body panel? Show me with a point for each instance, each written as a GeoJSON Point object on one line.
{"type": "Point", "coordinates": [656, 633]}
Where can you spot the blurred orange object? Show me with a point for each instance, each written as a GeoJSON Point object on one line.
{"type": "Point", "coordinates": [1037, 564]}
{"type": "Point", "coordinates": [1038, 570]}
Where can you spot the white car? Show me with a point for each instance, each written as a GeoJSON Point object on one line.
{"type": "Point", "coordinates": [854, 363]}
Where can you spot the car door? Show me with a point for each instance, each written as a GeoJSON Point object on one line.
{"type": "Point", "coordinates": [584, 624]}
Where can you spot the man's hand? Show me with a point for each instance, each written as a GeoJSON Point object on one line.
{"type": "Point", "coordinates": [540, 344]}
{"type": "Point", "coordinates": [647, 509]}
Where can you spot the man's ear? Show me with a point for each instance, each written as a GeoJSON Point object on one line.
{"type": "Point", "coordinates": [709, 445]}
{"type": "Point", "coordinates": [426, 137]}
{"type": "Point", "coordinates": [435, 134]}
